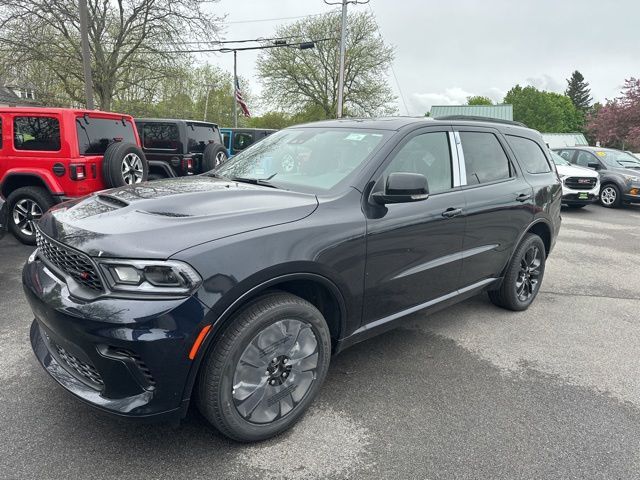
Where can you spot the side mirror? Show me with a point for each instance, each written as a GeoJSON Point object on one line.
{"type": "Point", "coordinates": [594, 165]}
{"type": "Point", "coordinates": [403, 187]}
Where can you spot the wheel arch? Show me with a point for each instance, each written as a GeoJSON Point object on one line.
{"type": "Point", "coordinates": [15, 180]}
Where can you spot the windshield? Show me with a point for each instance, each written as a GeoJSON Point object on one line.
{"type": "Point", "coordinates": [313, 159]}
{"type": "Point", "coordinates": [616, 158]}
{"type": "Point", "coordinates": [558, 160]}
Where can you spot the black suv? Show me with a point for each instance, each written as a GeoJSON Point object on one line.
{"type": "Point", "coordinates": [233, 288]}
{"type": "Point", "coordinates": [619, 172]}
{"type": "Point", "coordinates": [175, 148]}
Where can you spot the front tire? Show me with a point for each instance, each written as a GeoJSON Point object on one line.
{"type": "Point", "coordinates": [523, 277]}
{"type": "Point", "coordinates": [264, 371]}
{"type": "Point", "coordinates": [610, 196]}
{"type": "Point", "coordinates": [25, 206]}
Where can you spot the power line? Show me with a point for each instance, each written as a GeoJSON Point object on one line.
{"type": "Point", "coordinates": [393, 71]}
{"type": "Point", "coordinates": [261, 47]}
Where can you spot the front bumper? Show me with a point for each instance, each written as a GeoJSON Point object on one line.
{"type": "Point", "coordinates": [632, 195]}
{"type": "Point", "coordinates": [126, 357]}
{"type": "Point", "coordinates": [579, 198]}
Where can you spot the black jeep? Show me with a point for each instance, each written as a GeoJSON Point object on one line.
{"type": "Point", "coordinates": [175, 148]}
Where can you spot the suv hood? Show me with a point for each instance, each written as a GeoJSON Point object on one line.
{"type": "Point", "coordinates": [576, 171]}
{"type": "Point", "coordinates": [158, 219]}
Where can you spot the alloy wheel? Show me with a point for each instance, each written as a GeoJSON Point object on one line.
{"type": "Point", "coordinates": [132, 171]}
{"type": "Point", "coordinates": [25, 212]}
{"type": "Point", "coordinates": [220, 158]}
{"type": "Point", "coordinates": [275, 371]}
{"type": "Point", "coordinates": [608, 196]}
{"type": "Point", "coordinates": [529, 275]}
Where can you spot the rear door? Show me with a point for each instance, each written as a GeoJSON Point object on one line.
{"type": "Point", "coordinates": [413, 249]}
{"type": "Point", "coordinates": [499, 202]}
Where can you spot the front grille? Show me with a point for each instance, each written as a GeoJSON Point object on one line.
{"type": "Point", "coordinates": [71, 262]}
{"type": "Point", "coordinates": [85, 370]}
{"type": "Point", "coordinates": [580, 183]}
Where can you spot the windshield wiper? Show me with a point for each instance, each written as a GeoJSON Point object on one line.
{"type": "Point", "coordinates": [256, 181]}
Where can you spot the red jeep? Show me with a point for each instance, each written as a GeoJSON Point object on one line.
{"type": "Point", "coordinates": [48, 155]}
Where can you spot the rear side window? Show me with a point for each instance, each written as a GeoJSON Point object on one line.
{"type": "Point", "coordinates": [242, 141]}
{"type": "Point", "coordinates": [199, 136]}
{"type": "Point", "coordinates": [96, 134]}
{"type": "Point", "coordinates": [429, 155]}
{"type": "Point", "coordinates": [529, 154]}
{"type": "Point", "coordinates": [36, 133]}
{"type": "Point", "coordinates": [161, 136]}
{"type": "Point", "coordinates": [484, 158]}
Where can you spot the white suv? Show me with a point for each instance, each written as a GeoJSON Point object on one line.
{"type": "Point", "coordinates": [580, 185]}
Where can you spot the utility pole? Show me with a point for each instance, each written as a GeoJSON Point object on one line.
{"type": "Point", "coordinates": [206, 103]}
{"type": "Point", "coordinates": [343, 41]}
{"type": "Point", "coordinates": [86, 55]}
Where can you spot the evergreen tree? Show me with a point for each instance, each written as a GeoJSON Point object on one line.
{"type": "Point", "coordinates": [578, 91]}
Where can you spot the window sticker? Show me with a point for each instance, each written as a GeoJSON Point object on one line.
{"type": "Point", "coordinates": [356, 136]}
{"type": "Point", "coordinates": [601, 154]}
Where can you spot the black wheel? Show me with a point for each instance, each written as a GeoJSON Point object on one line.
{"type": "Point", "coordinates": [266, 368]}
{"type": "Point", "coordinates": [214, 154]}
{"type": "Point", "coordinates": [610, 196]}
{"type": "Point", "coordinates": [155, 176]}
{"type": "Point", "coordinates": [26, 205]}
{"type": "Point", "coordinates": [523, 276]}
{"type": "Point", "coordinates": [124, 164]}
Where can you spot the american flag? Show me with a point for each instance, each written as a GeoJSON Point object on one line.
{"type": "Point", "coordinates": [240, 100]}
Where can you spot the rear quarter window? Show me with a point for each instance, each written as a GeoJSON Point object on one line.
{"type": "Point", "coordinates": [96, 134]}
{"type": "Point", "coordinates": [529, 154]}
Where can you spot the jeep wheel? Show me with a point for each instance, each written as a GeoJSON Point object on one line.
{"type": "Point", "coordinates": [214, 155]}
{"type": "Point", "coordinates": [25, 206]}
{"type": "Point", "coordinates": [610, 196]}
{"type": "Point", "coordinates": [266, 368]}
{"type": "Point", "coordinates": [524, 275]}
{"type": "Point", "coordinates": [124, 164]}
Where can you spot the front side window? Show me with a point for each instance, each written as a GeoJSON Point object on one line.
{"type": "Point", "coordinates": [428, 154]}
{"type": "Point", "coordinates": [313, 160]}
{"type": "Point", "coordinates": [36, 133]}
{"type": "Point", "coordinates": [225, 139]}
{"type": "Point", "coordinates": [161, 136]}
{"type": "Point", "coordinates": [96, 134]}
{"type": "Point", "coordinates": [484, 158]}
{"type": "Point", "coordinates": [242, 141]}
{"type": "Point", "coordinates": [585, 158]}
{"type": "Point", "coordinates": [199, 136]}
{"type": "Point", "coordinates": [529, 154]}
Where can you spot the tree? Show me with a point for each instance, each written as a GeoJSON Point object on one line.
{"type": "Point", "coordinates": [479, 100]}
{"type": "Point", "coordinates": [307, 80]}
{"type": "Point", "coordinates": [543, 111]}
{"type": "Point", "coordinates": [617, 123]}
{"type": "Point", "coordinates": [578, 91]}
{"type": "Point", "coordinates": [129, 40]}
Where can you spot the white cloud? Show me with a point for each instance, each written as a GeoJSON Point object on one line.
{"type": "Point", "coordinates": [546, 82]}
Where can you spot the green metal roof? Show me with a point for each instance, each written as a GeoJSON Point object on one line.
{"type": "Point", "coordinates": [559, 140]}
{"type": "Point", "coordinates": [502, 112]}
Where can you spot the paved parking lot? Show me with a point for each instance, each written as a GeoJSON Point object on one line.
{"type": "Point", "coordinates": [472, 392]}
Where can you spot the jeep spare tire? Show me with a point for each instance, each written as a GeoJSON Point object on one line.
{"type": "Point", "coordinates": [124, 164]}
{"type": "Point", "coordinates": [214, 155]}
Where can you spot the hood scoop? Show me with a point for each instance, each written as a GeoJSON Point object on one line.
{"type": "Point", "coordinates": [112, 201]}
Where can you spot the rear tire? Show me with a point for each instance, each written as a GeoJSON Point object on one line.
{"type": "Point", "coordinates": [523, 277]}
{"type": "Point", "coordinates": [124, 164]}
{"type": "Point", "coordinates": [25, 206]}
{"type": "Point", "coordinates": [610, 196]}
{"type": "Point", "coordinates": [266, 368]}
{"type": "Point", "coordinates": [213, 156]}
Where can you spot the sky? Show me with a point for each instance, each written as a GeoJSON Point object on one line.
{"type": "Point", "coordinates": [446, 50]}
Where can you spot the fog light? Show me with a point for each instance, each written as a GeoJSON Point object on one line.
{"type": "Point", "coordinates": [634, 191]}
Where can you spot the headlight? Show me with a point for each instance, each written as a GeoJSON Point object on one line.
{"type": "Point", "coordinates": [631, 178]}
{"type": "Point", "coordinates": [148, 276]}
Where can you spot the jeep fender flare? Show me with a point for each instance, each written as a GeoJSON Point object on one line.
{"type": "Point", "coordinates": [40, 175]}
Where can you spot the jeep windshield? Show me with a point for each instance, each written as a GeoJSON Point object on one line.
{"type": "Point", "coordinates": [313, 160]}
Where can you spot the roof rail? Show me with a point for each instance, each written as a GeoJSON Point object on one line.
{"type": "Point", "coordinates": [480, 119]}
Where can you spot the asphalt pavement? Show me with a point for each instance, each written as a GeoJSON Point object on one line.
{"type": "Point", "coordinates": [473, 392]}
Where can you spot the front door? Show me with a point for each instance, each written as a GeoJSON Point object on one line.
{"type": "Point", "coordinates": [413, 249]}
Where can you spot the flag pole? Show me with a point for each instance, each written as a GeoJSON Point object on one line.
{"type": "Point", "coordinates": [235, 88]}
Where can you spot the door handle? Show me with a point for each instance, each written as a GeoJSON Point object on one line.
{"type": "Point", "coordinates": [523, 197]}
{"type": "Point", "coordinates": [451, 212]}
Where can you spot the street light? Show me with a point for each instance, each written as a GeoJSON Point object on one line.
{"type": "Point", "coordinates": [276, 44]}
